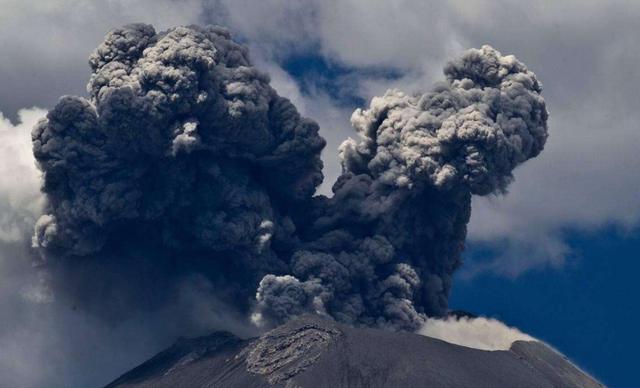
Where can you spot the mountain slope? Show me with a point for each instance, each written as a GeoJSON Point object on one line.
{"type": "Point", "coordinates": [312, 352]}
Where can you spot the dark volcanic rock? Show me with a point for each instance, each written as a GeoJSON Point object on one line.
{"type": "Point", "coordinates": [312, 352]}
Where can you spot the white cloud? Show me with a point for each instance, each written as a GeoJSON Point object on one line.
{"type": "Point", "coordinates": [45, 44]}
{"type": "Point", "coordinates": [20, 197]}
{"type": "Point", "coordinates": [585, 180]}
{"type": "Point", "coordinates": [478, 333]}
{"type": "Point", "coordinates": [354, 32]}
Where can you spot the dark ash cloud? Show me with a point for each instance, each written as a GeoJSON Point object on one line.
{"type": "Point", "coordinates": [385, 245]}
{"type": "Point", "coordinates": [184, 160]}
{"type": "Point", "coordinates": [169, 167]}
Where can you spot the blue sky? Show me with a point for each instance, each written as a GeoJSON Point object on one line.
{"type": "Point", "coordinates": [588, 309]}
{"type": "Point", "coordinates": [556, 257]}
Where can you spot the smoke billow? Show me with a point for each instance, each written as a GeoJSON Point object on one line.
{"type": "Point", "coordinates": [183, 161]}
{"type": "Point", "coordinates": [382, 250]}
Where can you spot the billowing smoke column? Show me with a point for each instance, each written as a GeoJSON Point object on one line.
{"type": "Point", "coordinates": [184, 160]}
{"type": "Point", "coordinates": [382, 250]}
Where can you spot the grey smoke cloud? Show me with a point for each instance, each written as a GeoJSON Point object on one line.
{"type": "Point", "coordinates": [590, 81]}
{"type": "Point", "coordinates": [46, 341]}
{"type": "Point", "coordinates": [391, 237]}
{"type": "Point", "coordinates": [174, 156]}
{"type": "Point", "coordinates": [184, 160]}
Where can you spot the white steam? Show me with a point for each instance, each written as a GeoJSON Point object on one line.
{"type": "Point", "coordinates": [479, 333]}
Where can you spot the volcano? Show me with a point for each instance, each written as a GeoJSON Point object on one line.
{"type": "Point", "coordinates": [315, 352]}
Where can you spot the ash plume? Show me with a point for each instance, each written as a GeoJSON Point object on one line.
{"type": "Point", "coordinates": [183, 160]}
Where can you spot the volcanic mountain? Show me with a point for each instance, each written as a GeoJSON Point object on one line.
{"type": "Point", "coordinates": [314, 352]}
